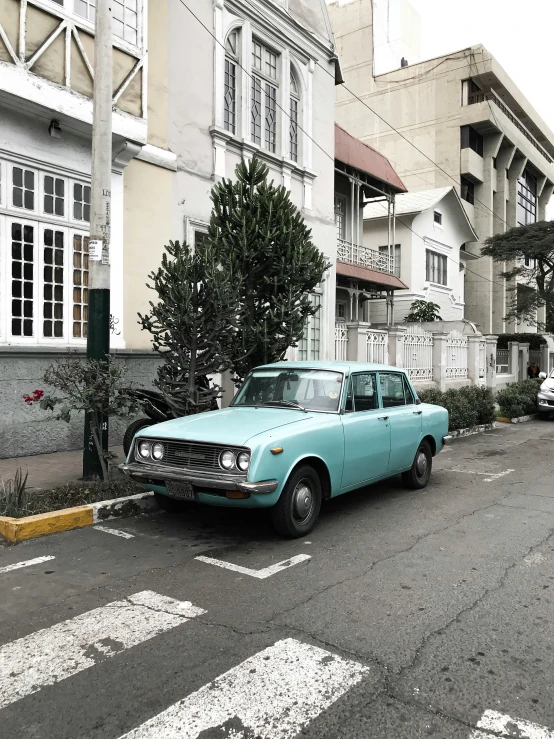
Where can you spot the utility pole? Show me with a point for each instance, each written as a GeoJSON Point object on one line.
{"type": "Point", "coordinates": [98, 337]}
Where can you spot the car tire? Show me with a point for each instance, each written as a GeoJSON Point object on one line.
{"type": "Point", "coordinates": [543, 415]}
{"type": "Point", "coordinates": [418, 475]}
{"type": "Point", "coordinates": [132, 429]}
{"type": "Point", "coordinates": [165, 503]}
{"type": "Point", "coordinates": [296, 512]}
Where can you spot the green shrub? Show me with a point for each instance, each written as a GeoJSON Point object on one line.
{"type": "Point", "coordinates": [518, 398]}
{"type": "Point", "coordinates": [466, 406]}
{"type": "Point", "coordinates": [535, 341]}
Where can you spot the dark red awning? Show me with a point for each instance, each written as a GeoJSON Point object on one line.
{"type": "Point", "coordinates": [355, 153]}
{"type": "Point", "coordinates": [357, 272]}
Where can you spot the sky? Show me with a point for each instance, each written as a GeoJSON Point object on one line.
{"type": "Point", "coordinates": [520, 34]}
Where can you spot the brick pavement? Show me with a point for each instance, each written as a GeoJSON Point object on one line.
{"type": "Point", "coordinates": [48, 470]}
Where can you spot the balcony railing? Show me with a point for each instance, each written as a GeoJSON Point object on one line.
{"type": "Point", "coordinates": [481, 97]}
{"type": "Point", "coordinates": [365, 257]}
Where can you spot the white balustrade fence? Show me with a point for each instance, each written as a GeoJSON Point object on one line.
{"type": "Point", "coordinates": [456, 356]}
{"type": "Point", "coordinates": [341, 342]}
{"type": "Point", "coordinates": [378, 347]}
{"type": "Point", "coordinates": [418, 353]}
{"type": "Point", "coordinates": [364, 256]}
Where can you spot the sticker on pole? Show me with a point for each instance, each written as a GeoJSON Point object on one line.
{"type": "Point", "coordinates": [95, 250]}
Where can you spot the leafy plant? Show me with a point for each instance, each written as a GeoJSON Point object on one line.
{"type": "Point", "coordinates": [90, 386]}
{"type": "Point", "coordinates": [535, 341]}
{"type": "Point", "coordinates": [14, 501]}
{"type": "Point", "coordinates": [467, 406]}
{"type": "Point", "coordinates": [518, 398]}
{"type": "Point", "coordinates": [422, 311]}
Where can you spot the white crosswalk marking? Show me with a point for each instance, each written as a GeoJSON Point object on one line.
{"type": "Point", "coordinates": [50, 655]}
{"type": "Point", "coordinates": [272, 695]}
{"type": "Point", "coordinates": [27, 563]}
{"type": "Point", "coordinates": [504, 725]}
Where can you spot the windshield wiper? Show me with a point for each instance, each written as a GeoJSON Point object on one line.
{"type": "Point", "coordinates": [286, 404]}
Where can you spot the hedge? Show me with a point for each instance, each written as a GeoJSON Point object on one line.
{"type": "Point", "coordinates": [467, 406]}
{"type": "Point", "coordinates": [519, 398]}
{"type": "Point", "coordinates": [535, 341]}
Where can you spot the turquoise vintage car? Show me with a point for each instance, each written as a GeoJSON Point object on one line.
{"type": "Point", "coordinates": [296, 434]}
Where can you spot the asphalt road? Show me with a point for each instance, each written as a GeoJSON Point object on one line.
{"type": "Point", "coordinates": [405, 614]}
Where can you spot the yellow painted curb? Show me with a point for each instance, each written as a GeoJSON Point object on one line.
{"type": "Point", "coordinates": [504, 420]}
{"type": "Point", "coordinates": [19, 529]}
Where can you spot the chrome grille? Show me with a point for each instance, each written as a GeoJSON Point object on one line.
{"type": "Point", "coordinates": [191, 455]}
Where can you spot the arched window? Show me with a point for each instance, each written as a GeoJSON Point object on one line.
{"type": "Point", "coordinates": [230, 89]}
{"type": "Point", "coordinates": [294, 113]}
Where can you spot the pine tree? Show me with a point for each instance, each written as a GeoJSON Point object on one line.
{"type": "Point", "coordinates": [260, 231]}
{"type": "Point", "coordinates": [193, 323]}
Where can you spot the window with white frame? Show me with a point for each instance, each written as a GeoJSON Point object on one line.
{"type": "Point", "coordinates": [309, 346]}
{"type": "Point", "coordinates": [436, 268]}
{"type": "Point", "coordinates": [263, 108]}
{"type": "Point", "coordinates": [43, 255]}
{"type": "Point", "coordinates": [125, 16]}
{"type": "Point", "coordinates": [294, 116]}
{"type": "Point", "coordinates": [397, 256]}
{"type": "Point", "coordinates": [230, 90]}
{"type": "Point", "coordinates": [340, 216]}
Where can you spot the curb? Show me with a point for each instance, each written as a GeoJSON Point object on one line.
{"type": "Point", "coordinates": [519, 419]}
{"type": "Point", "coordinates": [21, 529]}
{"type": "Point", "coordinates": [472, 430]}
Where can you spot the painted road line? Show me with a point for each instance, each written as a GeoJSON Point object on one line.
{"type": "Point", "coordinates": [496, 475]}
{"type": "Point", "coordinates": [273, 695]}
{"type": "Point", "coordinates": [50, 655]}
{"type": "Point", "coordinates": [27, 563]}
{"type": "Point", "coordinates": [259, 574]}
{"type": "Point", "coordinates": [115, 532]}
{"type": "Point", "coordinates": [490, 476]}
{"type": "Point", "coordinates": [504, 725]}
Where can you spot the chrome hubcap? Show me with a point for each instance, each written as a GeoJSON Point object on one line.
{"type": "Point", "coordinates": [302, 501]}
{"type": "Point", "coordinates": [421, 464]}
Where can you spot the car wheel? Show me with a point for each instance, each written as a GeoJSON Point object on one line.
{"type": "Point", "coordinates": [295, 513]}
{"type": "Point", "coordinates": [418, 476]}
{"type": "Point", "coordinates": [544, 415]}
{"type": "Point", "coordinates": [165, 503]}
{"type": "Point", "coordinates": [134, 428]}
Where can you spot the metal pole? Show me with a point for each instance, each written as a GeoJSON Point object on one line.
{"type": "Point", "coordinates": [98, 337]}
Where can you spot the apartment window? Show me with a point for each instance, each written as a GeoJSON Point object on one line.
{"type": "Point", "coordinates": [467, 190]}
{"type": "Point", "coordinates": [45, 243]}
{"type": "Point", "coordinates": [84, 8]}
{"type": "Point", "coordinates": [125, 20]}
{"type": "Point", "coordinates": [293, 113]}
{"type": "Point", "coordinates": [263, 110]}
{"type": "Point", "coordinates": [340, 310]}
{"type": "Point", "coordinates": [437, 218]}
{"type": "Point", "coordinates": [230, 91]}
{"type": "Point", "coordinates": [340, 216]}
{"type": "Point", "coordinates": [436, 268]}
{"type": "Point", "coordinates": [385, 250]}
{"type": "Point", "coordinates": [526, 199]}
{"type": "Point", "coordinates": [309, 346]}
{"type": "Point", "coordinates": [471, 139]}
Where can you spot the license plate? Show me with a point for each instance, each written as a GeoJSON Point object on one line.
{"type": "Point", "coordinates": [180, 490]}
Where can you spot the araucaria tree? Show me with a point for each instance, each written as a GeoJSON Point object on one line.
{"type": "Point", "coordinates": [193, 323]}
{"type": "Point", "coordinates": [262, 234]}
{"type": "Point", "coordinates": [528, 252]}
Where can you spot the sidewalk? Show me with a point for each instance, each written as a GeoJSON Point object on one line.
{"type": "Point", "coordinates": [48, 470]}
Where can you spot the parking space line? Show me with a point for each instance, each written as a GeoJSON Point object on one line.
{"type": "Point", "coordinates": [115, 532]}
{"type": "Point", "coordinates": [273, 695]}
{"type": "Point", "coordinates": [259, 574]}
{"type": "Point", "coordinates": [27, 563]}
{"type": "Point", "coordinates": [504, 725]}
{"type": "Point", "coordinates": [489, 476]}
{"type": "Point", "coordinates": [56, 653]}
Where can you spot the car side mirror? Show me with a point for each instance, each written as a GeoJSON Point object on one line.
{"type": "Point", "coordinates": [418, 401]}
{"type": "Point", "coordinates": [542, 375]}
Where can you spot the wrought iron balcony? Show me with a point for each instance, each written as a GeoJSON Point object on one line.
{"type": "Point", "coordinates": [365, 257]}
{"type": "Point", "coordinates": [481, 97]}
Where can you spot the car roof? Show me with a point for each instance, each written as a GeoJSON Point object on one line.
{"type": "Point", "coordinates": [346, 367]}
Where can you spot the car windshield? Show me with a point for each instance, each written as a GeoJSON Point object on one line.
{"type": "Point", "coordinates": [302, 389]}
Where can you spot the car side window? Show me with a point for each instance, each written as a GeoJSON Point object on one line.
{"type": "Point", "coordinates": [408, 392]}
{"type": "Point", "coordinates": [392, 390]}
{"type": "Point", "coordinates": [362, 393]}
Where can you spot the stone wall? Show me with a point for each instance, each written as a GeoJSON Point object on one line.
{"type": "Point", "coordinates": [26, 430]}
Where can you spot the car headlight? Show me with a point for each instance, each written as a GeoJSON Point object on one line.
{"type": "Point", "coordinates": [243, 461]}
{"type": "Point", "coordinates": [227, 459]}
{"type": "Point", "coordinates": [144, 449]}
{"type": "Point", "coordinates": [158, 451]}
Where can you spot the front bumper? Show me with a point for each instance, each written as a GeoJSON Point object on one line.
{"type": "Point", "coordinates": [158, 474]}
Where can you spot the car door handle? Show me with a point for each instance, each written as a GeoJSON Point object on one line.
{"type": "Point", "coordinates": [383, 418]}
{"type": "Point", "coordinates": [418, 413]}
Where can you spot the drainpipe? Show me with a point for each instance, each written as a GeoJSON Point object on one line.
{"type": "Point", "coordinates": [393, 234]}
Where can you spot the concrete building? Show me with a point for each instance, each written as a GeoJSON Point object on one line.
{"type": "Point", "coordinates": [191, 97]}
{"type": "Point", "coordinates": [455, 120]}
{"type": "Point", "coordinates": [432, 227]}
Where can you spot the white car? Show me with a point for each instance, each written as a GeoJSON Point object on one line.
{"type": "Point", "coordinates": [545, 396]}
